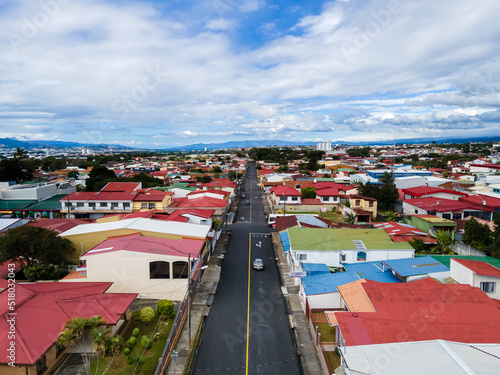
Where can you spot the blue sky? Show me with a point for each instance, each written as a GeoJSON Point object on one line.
{"type": "Point", "coordinates": [158, 74]}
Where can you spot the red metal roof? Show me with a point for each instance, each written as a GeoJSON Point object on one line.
{"type": "Point", "coordinates": [142, 244]}
{"type": "Point", "coordinates": [479, 267]}
{"type": "Point", "coordinates": [444, 205]}
{"type": "Point", "coordinates": [311, 201]}
{"type": "Point", "coordinates": [201, 202]}
{"type": "Point", "coordinates": [479, 200]}
{"type": "Point", "coordinates": [151, 195]}
{"type": "Point", "coordinates": [43, 308]}
{"type": "Point", "coordinates": [328, 192]}
{"type": "Point", "coordinates": [287, 191]}
{"type": "Point", "coordinates": [420, 191]}
{"type": "Point", "coordinates": [128, 187]}
{"type": "Point", "coordinates": [422, 310]}
{"type": "Point", "coordinates": [59, 225]}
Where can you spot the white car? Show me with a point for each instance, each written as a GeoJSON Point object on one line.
{"type": "Point", "coordinates": [258, 264]}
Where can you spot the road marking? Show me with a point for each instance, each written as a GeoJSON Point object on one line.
{"type": "Point", "coordinates": [248, 301]}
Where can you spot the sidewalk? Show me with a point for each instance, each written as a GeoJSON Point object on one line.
{"type": "Point", "coordinates": [200, 308]}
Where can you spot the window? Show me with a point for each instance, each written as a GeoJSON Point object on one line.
{"type": "Point", "coordinates": [361, 256]}
{"type": "Point", "coordinates": [152, 205]}
{"type": "Point", "coordinates": [432, 213]}
{"type": "Point", "coordinates": [358, 202]}
{"type": "Point", "coordinates": [114, 204]}
{"type": "Point", "coordinates": [487, 287]}
{"type": "Point", "coordinates": [66, 204]}
{"type": "Point", "coordinates": [301, 256]}
{"type": "Point", "coordinates": [103, 204]}
{"type": "Point", "coordinates": [180, 270]}
{"type": "Point", "coordinates": [370, 204]}
{"type": "Point", "coordinates": [92, 204]}
{"type": "Point", "coordinates": [342, 258]}
{"type": "Point", "coordinates": [126, 204]}
{"type": "Point", "coordinates": [446, 216]}
{"type": "Point", "coordinates": [79, 204]}
{"type": "Point", "coordinates": [416, 211]}
{"type": "Point", "coordinates": [159, 270]}
{"type": "Point", "coordinates": [457, 216]}
{"type": "Point", "coordinates": [144, 205]}
{"type": "Point", "coordinates": [41, 365]}
{"type": "Point", "coordinates": [326, 199]}
{"type": "Point", "coordinates": [295, 199]}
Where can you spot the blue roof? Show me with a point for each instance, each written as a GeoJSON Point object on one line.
{"type": "Point", "coordinates": [322, 284]}
{"type": "Point", "coordinates": [285, 240]}
{"type": "Point", "coordinates": [375, 271]}
{"type": "Point", "coordinates": [315, 269]}
{"type": "Point", "coordinates": [416, 266]}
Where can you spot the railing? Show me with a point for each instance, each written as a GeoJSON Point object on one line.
{"type": "Point", "coordinates": [173, 337]}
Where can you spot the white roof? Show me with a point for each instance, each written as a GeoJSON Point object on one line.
{"type": "Point", "coordinates": [435, 357]}
{"type": "Point", "coordinates": [143, 224]}
{"type": "Point", "coordinates": [6, 223]}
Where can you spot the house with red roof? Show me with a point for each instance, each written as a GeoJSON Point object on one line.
{"type": "Point", "coordinates": [434, 192]}
{"type": "Point", "coordinates": [478, 274]}
{"type": "Point", "coordinates": [41, 310]}
{"type": "Point", "coordinates": [200, 202]}
{"type": "Point", "coordinates": [379, 313]}
{"type": "Point", "coordinates": [447, 208]}
{"type": "Point", "coordinates": [283, 195]}
{"type": "Point", "coordinates": [154, 268]}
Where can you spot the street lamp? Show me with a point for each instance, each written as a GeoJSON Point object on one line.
{"type": "Point", "coordinates": [174, 356]}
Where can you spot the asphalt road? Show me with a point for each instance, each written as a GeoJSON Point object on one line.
{"type": "Point", "coordinates": [248, 301]}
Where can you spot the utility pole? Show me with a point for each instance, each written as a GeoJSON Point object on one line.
{"type": "Point", "coordinates": [189, 299]}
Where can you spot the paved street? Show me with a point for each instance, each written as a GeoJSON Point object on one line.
{"type": "Point", "coordinates": [248, 300]}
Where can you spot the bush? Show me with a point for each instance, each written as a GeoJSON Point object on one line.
{"type": "Point", "coordinates": [135, 332]}
{"type": "Point", "coordinates": [131, 342]}
{"type": "Point", "coordinates": [41, 272]}
{"type": "Point", "coordinates": [146, 342]}
{"type": "Point", "coordinates": [165, 308]}
{"type": "Point", "coordinates": [126, 351]}
{"type": "Point", "coordinates": [131, 359]}
{"type": "Point", "coordinates": [147, 314]}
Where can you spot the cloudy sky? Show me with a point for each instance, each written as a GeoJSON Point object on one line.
{"type": "Point", "coordinates": [165, 73]}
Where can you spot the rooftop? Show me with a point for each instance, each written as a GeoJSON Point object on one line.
{"type": "Point", "coordinates": [416, 266]}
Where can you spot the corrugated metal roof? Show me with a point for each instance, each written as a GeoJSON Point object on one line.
{"type": "Point", "coordinates": [416, 266]}
{"type": "Point", "coordinates": [375, 271]}
{"type": "Point", "coordinates": [322, 284]}
{"type": "Point", "coordinates": [434, 357]}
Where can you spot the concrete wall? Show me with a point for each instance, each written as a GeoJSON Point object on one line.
{"type": "Point", "coordinates": [129, 272]}
{"type": "Point", "coordinates": [39, 192]}
{"type": "Point", "coordinates": [464, 275]}
{"type": "Point", "coordinates": [324, 301]}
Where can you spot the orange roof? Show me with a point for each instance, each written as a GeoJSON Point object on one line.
{"type": "Point", "coordinates": [355, 296]}
{"type": "Point", "coordinates": [75, 275]}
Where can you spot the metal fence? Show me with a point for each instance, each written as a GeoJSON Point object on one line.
{"type": "Point", "coordinates": [173, 337]}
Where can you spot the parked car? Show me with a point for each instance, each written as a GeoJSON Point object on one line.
{"type": "Point", "coordinates": [258, 264]}
{"type": "Point", "coordinates": [247, 202]}
{"type": "Point", "coordinates": [243, 196]}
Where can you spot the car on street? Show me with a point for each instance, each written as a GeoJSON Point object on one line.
{"type": "Point", "coordinates": [258, 264]}
{"type": "Point", "coordinates": [247, 202]}
{"type": "Point", "coordinates": [243, 196]}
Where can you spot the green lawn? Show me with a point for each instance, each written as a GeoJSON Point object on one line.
{"type": "Point", "coordinates": [333, 360]}
{"type": "Point", "coordinates": [327, 332]}
{"type": "Point", "coordinates": [333, 216]}
{"type": "Point", "coordinates": [151, 356]}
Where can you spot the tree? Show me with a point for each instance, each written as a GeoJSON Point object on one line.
{"type": "Point", "coordinates": [419, 245]}
{"type": "Point", "coordinates": [97, 175]}
{"type": "Point", "coordinates": [41, 272]}
{"type": "Point", "coordinates": [477, 234]}
{"type": "Point", "coordinates": [165, 308]}
{"type": "Point", "coordinates": [308, 192]}
{"type": "Point", "coordinates": [74, 333]}
{"type": "Point", "coordinates": [30, 245]}
{"type": "Point", "coordinates": [495, 249]}
{"type": "Point", "coordinates": [388, 193]}
{"type": "Point", "coordinates": [443, 243]}
{"type": "Point", "coordinates": [351, 218]}
{"type": "Point", "coordinates": [147, 314]}
{"type": "Point", "coordinates": [20, 153]}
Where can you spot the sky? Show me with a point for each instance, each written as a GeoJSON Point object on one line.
{"type": "Point", "coordinates": [159, 74]}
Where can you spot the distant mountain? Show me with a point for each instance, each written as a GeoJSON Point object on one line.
{"type": "Point", "coordinates": [237, 144]}
{"type": "Point", "coordinates": [13, 142]}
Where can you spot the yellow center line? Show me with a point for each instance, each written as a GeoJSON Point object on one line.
{"type": "Point", "coordinates": [248, 301]}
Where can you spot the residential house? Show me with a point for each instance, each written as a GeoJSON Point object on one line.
{"type": "Point", "coordinates": [335, 246]}
{"type": "Point", "coordinates": [412, 269]}
{"type": "Point", "coordinates": [400, 232]}
{"type": "Point", "coordinates": [447, 208]}
{"type": "Point", "coordinates": [477, 273]}
{"type": "Point", "coordinates": [431, 223]}
{"type": "Point", "coordinates": [155, 268]}
{"type": "Point", "coordinates": [365, 208]}
{"type": "Point", "coordinates": [41, 310]}
{"type": "Point", "coordinates": [380, 313]}
{"type": "Point", "coordinates": [282, 196]}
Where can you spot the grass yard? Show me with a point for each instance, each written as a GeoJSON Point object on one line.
{"type": "Point", "coordinates": [151, 356]}
{"type": "Point", "coordinates": [327, 332]}
{"type": "Point", "coordinates": [333, 216]}
{"type": "Point", "coordinates": [333, 360]}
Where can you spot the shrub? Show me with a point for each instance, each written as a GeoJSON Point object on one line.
{"type": "Point", "coordinates": [126, 351]}
{"type": "Point", "coordinates": [131, 342]}
{"type": "Point", "coordinates": [147, 314]}
{"type": "Point", "coordinates": [131, 359]}
{"type": "Point", "coordinates": [165, 308]}
{"type": "Point", "coordinates": [146, 342]}
{"type": "Point", "coordinates": [135, 332]}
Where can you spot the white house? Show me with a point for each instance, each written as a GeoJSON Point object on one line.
{"type": "Point", "coordinates": [477, 273]}
{"type": "Point", "coordinates": [156, 268]}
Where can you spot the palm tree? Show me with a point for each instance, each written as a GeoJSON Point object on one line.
{"type": "Point", "coordinates": [390, 216]}
{"type": "Point", "coordinates": [444, 240]}
{"type": "Point", "coordinates": [20, 153]}
{"type": "Point", "coordinates": [387, 178]}
{"type": "Point", "coordinates": [351, 218]}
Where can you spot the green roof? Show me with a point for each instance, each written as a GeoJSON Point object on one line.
{"type": "Point", "coordinates": [15, 204]}
{"type": "Point", "coordinates": [180, 185]}
{"type": "Point", "coordinates": [341, 238]}
{"type": "Point", "coordinates": [446, 259]}
{"type": "Point", "coordinates": [48, 204]}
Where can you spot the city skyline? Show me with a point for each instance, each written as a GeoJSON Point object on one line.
{"type": "Point", "coordinates": [155, 75]}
